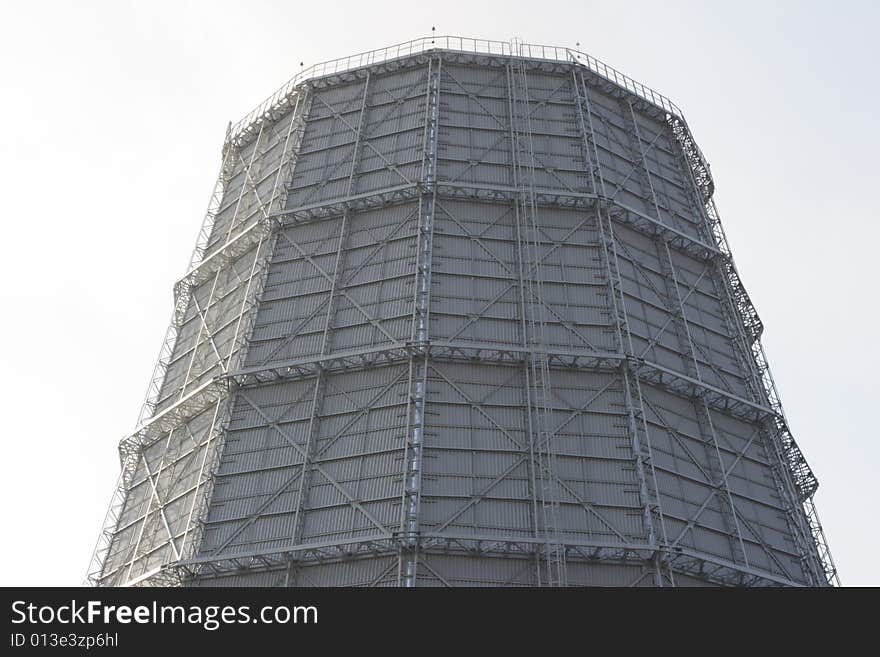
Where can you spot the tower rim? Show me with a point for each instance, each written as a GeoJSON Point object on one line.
{"type": "Point", "coordinates": [458, 45]}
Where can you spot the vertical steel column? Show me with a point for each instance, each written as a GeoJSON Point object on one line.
{"type": "Point", "coordinates": [418, 364]}
{"type": "Point", "coordinates": [534, 466]}
{"type": "Point", "coordinates": [556, 568]}
{"type": "Point", "coordinates": [792, 504]}
{"type": "Point", "coordinates": [205, 476]}
{"type": "Point", "coordinates": [649, 495]}
{"type": "Point", "coordinates": [675, 306]}
{"type": "Point", "coordinates": [642, 451]}
{"type": "Point", "coordinates": [537, 374]}
{"type": "Point", "coordinates": [704, 416]}
{"type": "Point", "coordinates": [203, 324]}
{"type": "Point", "coordinates": [166, 351]}
{"type": "Point", "coordinates": [269, 237]}
{"type": "Point", "coordinates": [246, 318]}
{"type": "Point", "coordinates": [735, 328]}
{"type": "Point", "coordinates": [326, 338]}
{"type": "Point", "coordinates": [153, 496]}
{"type": "Point", "coordinates": [829, 568]}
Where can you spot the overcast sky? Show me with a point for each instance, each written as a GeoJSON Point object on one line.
{"type": "Point", "coordinates": [113, 115]}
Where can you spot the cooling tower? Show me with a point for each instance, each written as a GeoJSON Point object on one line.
{"type": "Point", "coordinates": [462, 312]}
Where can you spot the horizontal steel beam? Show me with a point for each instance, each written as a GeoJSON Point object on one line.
{"type": "Point", "coordinates": [682, 560]}
{"type": "Point", "coordinates": [223, 255]}
{"type": "Point", "coordinates": [647, 371]}
{"type": "Point", "coordinates": [196, 401]}
{"type": "Point", "coordinates": [554, 198]}
{"type": "Point", "coordinates": [686, 386]}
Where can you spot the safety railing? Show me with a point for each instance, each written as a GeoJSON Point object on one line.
{"type": "Point", "coordinates": [457, 44]}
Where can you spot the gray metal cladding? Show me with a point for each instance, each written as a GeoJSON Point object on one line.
{"type": "Point", "coordinates": [353, 476]}
{"type": "Point", "coordinates": [371, 285]}
{"type": "Point", "coordinates": [382, 117]}
{"type": "Point", "coordinates": [475, 289]}
{"type": "Point", "coordinates": [461, 320]}
{"type": "Point", "coordinates": [440, 570]}
{"type": "Point", "coordinates": [208, 336]}
{"type": "Point", "coordinates": [476, 476]}
{"type": "Point", "coordinates": [147, 536]}
{"type": "Point", "coordinates": [693, 516]}
{"type": "Point", "coordinates": [251, 177]}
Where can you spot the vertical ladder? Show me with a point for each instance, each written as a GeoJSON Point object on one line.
{"type": "Point", "coordinates": [537, 370]}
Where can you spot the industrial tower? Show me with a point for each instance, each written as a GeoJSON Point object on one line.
{"type": "Point", "coordinates": [462, 312]}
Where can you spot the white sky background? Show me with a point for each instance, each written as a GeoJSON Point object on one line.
{"type": "Point", "coordinates": [113, 115]}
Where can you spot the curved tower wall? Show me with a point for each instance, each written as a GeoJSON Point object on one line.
{"type": "Point", "coordinates": [463, 318]}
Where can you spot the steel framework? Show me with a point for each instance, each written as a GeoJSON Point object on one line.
{"type": "Point", "coordinates": [462, 312]}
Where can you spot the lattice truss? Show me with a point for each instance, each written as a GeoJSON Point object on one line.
{"type": "Point", "coordinates": [463, 320]}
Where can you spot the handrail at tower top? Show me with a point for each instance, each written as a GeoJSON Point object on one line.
{"type": "Point", "coordinates": [456, 44]}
